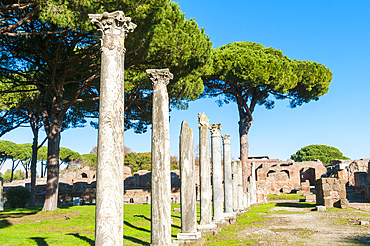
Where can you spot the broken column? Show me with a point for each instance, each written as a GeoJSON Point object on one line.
{"type": "Point", "coordinates": [205, 173]}
{"type": "Point", "coordinates": [253, 195]}
{"type": "Point", "coordinates": [161, 175]}
{"type": "Point", "coordinates": [228, 181]}
{"type": "Point", "coordinates": [109, 190]}
{"type": "Point", "coordinates": [187, 189]}
{"type": "Point", "coordinates": [217, 173]}
{"type": "Point", "coordinates": [237, 186]}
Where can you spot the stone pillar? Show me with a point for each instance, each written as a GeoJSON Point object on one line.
{"type": "Point", "coordinates": [228, 181]}
{"type": "Point", "coordinates": [204, 171]}
{"type": "Point", "coordinates": [161, 174]}
{"type": "Point", "coordinates": [1, 195]}
{"type": "Point", "coordinates": [217, 173]}
{"type": "Point", "coordinates": [253, 199]}
{"type": "Point", "coordinates": [237, 186]}
{"type": "Point", "coordinates": [109, 191]}
{"type": "Point", "coordinates": [187, 189]}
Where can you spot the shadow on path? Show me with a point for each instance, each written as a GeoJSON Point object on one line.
{"type": "Point", "coordinates": [295, 205]}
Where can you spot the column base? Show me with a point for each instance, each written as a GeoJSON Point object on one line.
{"type": "Point", "coordinates": [189, 236]}
{"type": "Point", "coordinates": [207, 227]}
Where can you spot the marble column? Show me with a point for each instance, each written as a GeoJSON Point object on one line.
{"type": "Point", "coordinates": [204, 171]}
{"type": "Point", "coordinates": [237, 186]}
{"type": "Point", "coordinates": [161, 175]}
{"type": "Point", "coordinates": [228, 182]}
{"type": "Point", "coordinates": [109, 189]}
{"type": "Point", "coordinates": [187, 188]}
{"type": "Point", "coordinates": [253, 184]}
{"type": "Point", "coordinates": [218, 199]}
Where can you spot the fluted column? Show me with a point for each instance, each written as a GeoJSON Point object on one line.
{"type": "Point", "coordinates": [253, 184]}
{"type": "Point", "coordinates": [218, 199]}
{"type": "Point", "coordinates": [109, 190]}
{"type": "Point", "coordinates": [228, 181]}
{"type": "Point", "coordinates": [161, 176]}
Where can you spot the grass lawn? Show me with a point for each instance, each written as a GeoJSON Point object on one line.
{"type": "Point", "coordinates": [74, 226]}
{"type": "Point", "coordinates": [285, 196]}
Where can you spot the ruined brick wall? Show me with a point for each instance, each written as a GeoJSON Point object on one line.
{"type": "Point", "coordinates": [349, 168]}
{"type": "Point", "coordinates": [331, 192]}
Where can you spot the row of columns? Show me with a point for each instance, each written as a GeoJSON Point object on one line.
{"type": "Point", "coordinates": [109, 201]}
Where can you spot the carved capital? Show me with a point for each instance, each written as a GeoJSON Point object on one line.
{"type": "Point", "coordinates": [215, 130]}
{"type": "Point", "coordinates": [203, 120]}
{"type": "Point", "coordinates": [225, 138]}
{"type": "Point", "coordinates": [159, 77]}
{"type": "Point", "coordinates": [115, 23]}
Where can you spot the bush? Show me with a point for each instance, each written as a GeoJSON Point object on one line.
{"type": "Point", "coordinates": [17, 197]}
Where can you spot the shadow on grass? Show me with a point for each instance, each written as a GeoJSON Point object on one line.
{"type": "Point", "coordinates": [40, 241]}
{"type": "Point", "coordinates": [135, 227]}
{"type": "Point", "coordinates": [295, 205]}
{"type": "Point", "coordinates": [358, 240]}
{"type": "Point", "coordinates": [143, 216]}
{"type": "Point", "coordinates": [135, 240]}
{"type": "Point", "coordinates": [11, 213]}
{"type": "Point", "coordinates": [86, 239]}
{"type": "Point", "coordinates": [4, 224]}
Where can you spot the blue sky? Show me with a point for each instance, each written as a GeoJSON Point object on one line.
{"type": "Point", "coordinates": [334, 33]}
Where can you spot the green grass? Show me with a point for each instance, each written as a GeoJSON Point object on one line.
{"type": "Point", "coordinates": [285, 196]}
{"type": "Point", "coordinates": [32, 227]}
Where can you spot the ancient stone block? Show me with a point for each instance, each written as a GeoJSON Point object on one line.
{"type": "Point", "coordinates": [326, 186]}
{"type": "Point", "coordinates": [310, 198]}
{"type": "Point", "coordinates": [344, 204]}
{"type": "Point", "coordinates": [320, 208]}
{"type": "Point", "coordinates": [328, 202]}
{"type": "Point", "coordinates": [326, 193]}
{"type": "Point", "coordinates": [336, 187]}
{"type": "Point", "coordinates": [342, 194]}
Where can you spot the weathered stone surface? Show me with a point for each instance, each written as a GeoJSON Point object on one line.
{"type": "Point", "coordinates": [109, 199]}
{"type": "Point", "coordinates": [344, 204]}
{"type": "Point", "coordinates": [328, 202]}
{"type": "Point", "coordinates": [253, 187]}
{"type": "Point", "coordinates": [321, 208]}
{"type": "Point", "coordinates": [329, 192]}
{"type": "Point", "coordinates": [204, 171]}
{"type": "Point", "coordinates": [187, 190]}
{"type": "Point", "coordinates": [161, 178]}
{"type": "Point", "coordinates": [348, 168]}
{"type": "Point", "coordinates": [217, 173]}
{"type": "Point", "coordinates": [228, 181]}
{"type": "Point", "coordinates": [237, 186]}
{"type": "Point", "coordinates": [361, 179]}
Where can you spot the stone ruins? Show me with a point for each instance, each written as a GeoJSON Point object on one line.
{"type": "Point", "coordinates": [217, 183]}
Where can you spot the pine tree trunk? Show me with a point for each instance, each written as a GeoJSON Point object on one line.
{"type": "Point", "coordinates": [33, 166]}
{"type": "Point", "coordinates": [244, 126]}
{"type": "Point", "coordinates": [52, 184]}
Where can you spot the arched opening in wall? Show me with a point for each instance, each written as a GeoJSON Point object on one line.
{"type": "Point", "coordinates": [131, 200]}
{"type": "Point", "coordinates": [84, 175]}
{"type": "Point", "coordinates": [287, 172]}
{"type": "Point", "coordinates": [270, 172]}
{"type": "Point", "coordinates": [308, 174]}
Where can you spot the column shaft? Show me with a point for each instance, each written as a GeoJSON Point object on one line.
{"type": "Point", "coordinates": [217, 173]}
{"type": "Point", "coordinates": [228, 182]}
{"type": "Point", "coordinates": [204, 171]}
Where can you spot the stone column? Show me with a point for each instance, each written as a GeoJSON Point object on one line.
{"type": "Point", "coordinates": [187, 189]}
{"type": "Point", "coordinates": [237, 186]}
{"type": "Point", "coordinates": [253, 184]}
{"type": "Point", "coordinates": [109, 190]}
{"type": "Point", "coordinates": [218, 199]}
{"type": "Point", "coordinates": [204, 171]}
{"type": "Point", "coordinates": [228, 181]}
{"type": "Point", "coordinates": [161, 174]}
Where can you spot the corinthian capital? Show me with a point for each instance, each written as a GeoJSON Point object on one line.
{"type": "Point", "coordinates": [159, 77]}
{"type": "Point", "coordinates": [215, 130]}
{"type": "Point", "coordinates": [225, 138]}
{"type": "Point", "coordinates": [203, 120]}
{"type": "Point", "coordinates": [115, 23]}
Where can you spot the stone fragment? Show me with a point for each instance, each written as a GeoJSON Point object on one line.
{"type": "Point", "coordinates": [344, 204]}
{"type": "Point", "coordinates": [328, 202]}
{"type": "Point", "coordinates": [321, 208]}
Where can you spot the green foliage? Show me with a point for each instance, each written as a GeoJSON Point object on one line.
{"type": "Point", "coordinates": [17, 197]}
{"type": "Point", "coordinates": [285, 196]}
{"type": "Point", "coordinates": [326, 154]}
{"type": "Point", "coordinates": [138, 161]}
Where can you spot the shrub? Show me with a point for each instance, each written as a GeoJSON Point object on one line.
{"type": "Point", "coordinates": [17, 197]}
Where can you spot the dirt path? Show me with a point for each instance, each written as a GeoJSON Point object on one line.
{"type": "Point", "coordinates": [292, 227]}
